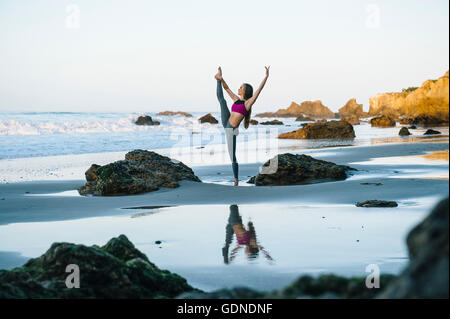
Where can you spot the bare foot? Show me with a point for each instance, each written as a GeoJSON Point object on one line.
{"type": "Point", "coordinates": [218, 76]}
{"type": "Point", "coordinates": [236, 182]}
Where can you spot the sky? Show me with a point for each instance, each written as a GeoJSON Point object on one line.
{"type": "Point", "coordinates": [152, 55]}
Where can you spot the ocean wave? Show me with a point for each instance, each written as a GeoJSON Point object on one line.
{"type": "Point", "coordinates": [93, 124]}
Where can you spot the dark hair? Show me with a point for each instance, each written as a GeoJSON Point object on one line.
{"type": "Point", "coordinates": [248, 93]}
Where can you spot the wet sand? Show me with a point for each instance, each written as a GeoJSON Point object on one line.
{"type": "Point", "coordinates": [310, 229]}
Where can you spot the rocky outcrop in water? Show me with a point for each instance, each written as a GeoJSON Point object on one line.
{"type": "Point", "coordinates": [116, 270]}
{"type": "Point", "coordinates": [274, 122]}
{"type": "Point", "coordinates": [427, 104]}
{"type": "Point", "coordinates": [352, 109]}
{"type": "Point", "coordinates": [295, 169]}
{"type": "Point", "coordinates": [383, 121]}
{"type": "Point", "coordinates": [431, 132]}
{"type": "Point", "coordinates": [171, 113]}
{"type": "Point", "coordinates": [146, 120]}
{"type": "Point", "coordinates": [312, 109]}
{"type": "Point", "coordinates": [404, 132]}
{"type": "Point", "coordinates": [427, 273]}
{"type": "Point", "coordinates": [304, 118]}
{"type": "Point", "coordinates": [208, 118]}
{"type": "Point", "coordinates": [331, 129]}
{"type": "Point", "coordinates": [253, 122]}
{"type": "Point", "coordinates": [141, 171]}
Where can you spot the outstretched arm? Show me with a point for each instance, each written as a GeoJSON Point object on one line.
{"type": "Point", "coordinates": [233, 96]}
{"type": "Point", "coordinates": [252, 100]}
{"type": "Point", "coordinates": [219, 77]}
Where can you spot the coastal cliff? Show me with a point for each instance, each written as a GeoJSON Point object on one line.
{"type": "Point", "coordinates": [313, 109]}
{"type": "Point", "coordinates": [430, 100]}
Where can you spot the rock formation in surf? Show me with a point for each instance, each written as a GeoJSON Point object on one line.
{"type": "Point", "coordinates": [425, 105]}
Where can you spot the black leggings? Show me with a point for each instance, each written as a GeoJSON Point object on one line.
{"type": "Point", "coordinates": [230, 131]}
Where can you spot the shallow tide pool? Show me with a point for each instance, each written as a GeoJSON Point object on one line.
{"type": "Point", "coordinates": [199, 241]}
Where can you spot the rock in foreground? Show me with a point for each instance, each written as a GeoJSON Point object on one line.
{"type": "Point", "coordinates": [295, 169]}
{"type": "Point", "coordinates": [332, 129]}
{"type": "Point", "coordinates": [141, 171]}
{"type": "Point", "coordinates": [327, 286]}
{"type": "Point", "coordinates": [116, 270]}
{"type": "Point", "coordinates": [427, 274]}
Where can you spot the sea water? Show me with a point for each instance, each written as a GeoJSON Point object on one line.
{"type": "Point", "coordinates": [41, 134]}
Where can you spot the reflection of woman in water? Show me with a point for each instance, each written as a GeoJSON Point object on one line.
{"type": "Point", "coordinates": [244, 237]}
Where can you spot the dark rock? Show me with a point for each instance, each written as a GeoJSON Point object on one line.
{"type": "Point", "coordinates": [235, 293]}
{"type": "Point", "coordinates": [431, 132]}
{"type": "Point", "coordinates": [116, 270]}
{"type": "Point", "coordinates": [253, 122]}
{"type": "Point", "coordinates": [141, 171]}
{"type": "Point", "coordinates": [158, 242]}
{"type": "Point", "coordinates": [376, 203]}
{"type": "Point", "coordinates": [146, 120]}
{"type": "Point", "coordinates": [427, 274]}
{"type": "Point", "coordinates": [412, 127]}
{"type": "Point", "coordinates": [404, 132]}
{"type": "Point", "coordinates": [323, 287]}
{"type": "Point", "coordinates": [426, 120]}
{"type": "Point", "coordinates": [290, 169]}
{"type": "Point", "coordinates": [274, 122]}
{"type": "Point", "coordinates": [208, 118]}
{"type": "Point", "coordinates": [332, 129]}
{"type": "Point", "coordinates": [383, 121]}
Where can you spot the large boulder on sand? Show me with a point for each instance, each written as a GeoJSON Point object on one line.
{"type": "Point", "coordinates": [383, 121]}
{"type": "Point", "coordinates": [141, 171]}
{"type": "Point", "coordinates": [116, 270]}
{"type": "Point", "coordinates": [208, 118]}
{"type": "Point", "coordinates": [331, 129]}
{"type": "Point", "coordinates": [295, 169]}
{"type": "Point", "coordinates": [427, 273]}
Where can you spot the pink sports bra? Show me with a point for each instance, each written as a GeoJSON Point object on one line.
{"type": "Point", "coordinates": [239, 106]}
{"type": "Point", "coordinates": [243, 239]}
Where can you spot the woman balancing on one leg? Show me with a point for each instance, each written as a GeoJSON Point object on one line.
{"type": "Point", "coordinates": [242, 108]}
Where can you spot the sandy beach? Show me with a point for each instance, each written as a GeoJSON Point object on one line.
{"type": "Point", "coordinates": [308, 229]}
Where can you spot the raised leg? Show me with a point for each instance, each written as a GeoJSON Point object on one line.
{"type": "Point", "coordinates": [224, 111]}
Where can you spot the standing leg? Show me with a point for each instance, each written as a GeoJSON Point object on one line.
{"type": "Point", "coordinates": [224, 111]}
{"type": "Point", "coordinates": [231, 142]}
